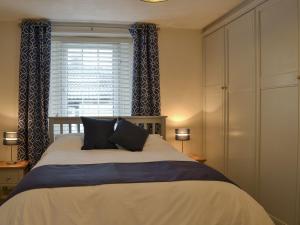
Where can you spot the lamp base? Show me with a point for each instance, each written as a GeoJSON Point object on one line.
{"type": "Point", "coordinates": [11, 162]}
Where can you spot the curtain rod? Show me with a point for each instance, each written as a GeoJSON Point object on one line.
{"type": "Point", "coordinates": [82, 24]}
{"type": "Point", "coordinates": [100, 25]}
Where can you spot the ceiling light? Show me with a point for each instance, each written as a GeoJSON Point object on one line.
{"type": "Point", "coordinates": [154, 1]}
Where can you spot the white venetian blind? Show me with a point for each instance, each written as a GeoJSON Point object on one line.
{"type": "Point", "coordinates": [90, 77]}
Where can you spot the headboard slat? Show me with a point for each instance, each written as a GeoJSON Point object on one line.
{"type": "Point", "coordinates": [144, 120]}
{"type": "Point", "coordinates": [78, 127]}
{"type": "Point", "coordinates": [153, 128]}
{"type": "Point", "coordinates": [61, 129]}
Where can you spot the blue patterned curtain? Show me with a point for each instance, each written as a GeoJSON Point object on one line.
{"type": "Point", "coordinates": [34, 83]}
{"type": "Point", "coordinates": [146, 85]}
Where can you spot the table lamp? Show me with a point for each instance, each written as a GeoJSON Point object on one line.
{"type": "Point", "coordinates": [10, 138]}
{"type": "Point", "coordinates": [182, 134]}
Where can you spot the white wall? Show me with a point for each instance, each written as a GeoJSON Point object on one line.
{"type": "Point", "coordinates": [181, 69]}
{"type": "Point", "coordinates": [9, 67]}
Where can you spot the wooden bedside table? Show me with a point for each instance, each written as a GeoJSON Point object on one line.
{"type": "Point", "coordinates": [197, 158]}
{"type": "Point", "coordinates": [10, 176]}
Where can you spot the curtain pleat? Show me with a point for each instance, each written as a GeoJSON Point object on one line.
{"type": "Point", "coordinates": [34, 81]}
{"type": "Point", "coordinates": [146, 83]}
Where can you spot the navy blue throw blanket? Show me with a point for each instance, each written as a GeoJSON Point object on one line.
{"type": "Point", "coordinates": [54, 176]}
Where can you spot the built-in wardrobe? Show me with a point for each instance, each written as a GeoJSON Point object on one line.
{"type": "Point", "coordinates": [251, 103]}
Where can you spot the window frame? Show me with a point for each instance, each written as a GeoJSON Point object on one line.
{"type": "Point", "coordinates": [63, 102]}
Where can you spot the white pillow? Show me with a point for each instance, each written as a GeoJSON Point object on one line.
{"type": "Point", "coordinates": [155, 142]}
{"type": "Point", "coordinates": [68, 141]}
{"type": "Point", "coordinates": [58, 136]}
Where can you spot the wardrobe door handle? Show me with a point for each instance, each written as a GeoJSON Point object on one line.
{"type": "Point", "coordinates": [223, 87]}
{"type": "Point", "coordinates": [298, 78]}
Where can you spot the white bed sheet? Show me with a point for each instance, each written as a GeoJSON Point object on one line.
{"type": "Point", "coordinates": [66, 150]}
{"type": "Point", "coordinates": [161, 203]}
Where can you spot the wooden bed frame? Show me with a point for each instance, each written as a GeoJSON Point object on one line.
{"type": "Point", "coordinates": [64, 125]}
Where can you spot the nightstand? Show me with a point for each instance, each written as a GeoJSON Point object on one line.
{"type": "Point", "coordinates": [10, 176]}
{"type": "Point", "coordinates": [197, 158]}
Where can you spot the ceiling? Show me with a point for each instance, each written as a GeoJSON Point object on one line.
{"type": "Point", "coordinates": [189, 14]}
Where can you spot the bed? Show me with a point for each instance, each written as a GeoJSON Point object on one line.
{"type": "Point", "coordinates": [158, 202]}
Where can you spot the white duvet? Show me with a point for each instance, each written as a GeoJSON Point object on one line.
{"type": "Point", "coordinates": [166, 203]}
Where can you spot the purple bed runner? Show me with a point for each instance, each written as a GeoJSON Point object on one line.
{"type": "Point", "coordinates": [53, 176]}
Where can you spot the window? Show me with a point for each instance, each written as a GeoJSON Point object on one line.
{"type": "Point", "coordinates": [90, 77]}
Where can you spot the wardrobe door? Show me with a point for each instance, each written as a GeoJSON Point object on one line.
{"type": "Point", "coordinates": [278, 28]}
{"type": "Point", "coordinates": [242, 102]}
{"type": "Point", "coordinates": [214, 62]}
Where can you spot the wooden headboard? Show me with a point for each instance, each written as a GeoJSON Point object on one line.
{"type": "Point", "coordinates": [65, 125]}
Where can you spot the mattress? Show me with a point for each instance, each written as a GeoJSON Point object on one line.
{"type": "Point", "coordinates": [190, 202]}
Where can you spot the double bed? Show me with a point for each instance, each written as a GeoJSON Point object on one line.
{"type": "Point", "coordinates": [148, 200]}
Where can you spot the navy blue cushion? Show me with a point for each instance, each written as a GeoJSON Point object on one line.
{"type": "Point", "coordinates": [97, 133]}
{"type": "Point", "coordinates": [129, 136]}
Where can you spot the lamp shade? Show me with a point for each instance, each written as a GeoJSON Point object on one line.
{"type": "Point", "coordinates": [10, 138]}
{"type": "Point", "coordinates": [182, 134]}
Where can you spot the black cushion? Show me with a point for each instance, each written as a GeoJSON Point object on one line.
{"type": "Point", "coordinates": [97, 133]}
{"type": "Point", "coordinates": [129, 136]}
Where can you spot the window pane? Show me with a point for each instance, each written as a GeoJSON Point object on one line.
{"type": "Point", "coordinates": [90, 79]}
